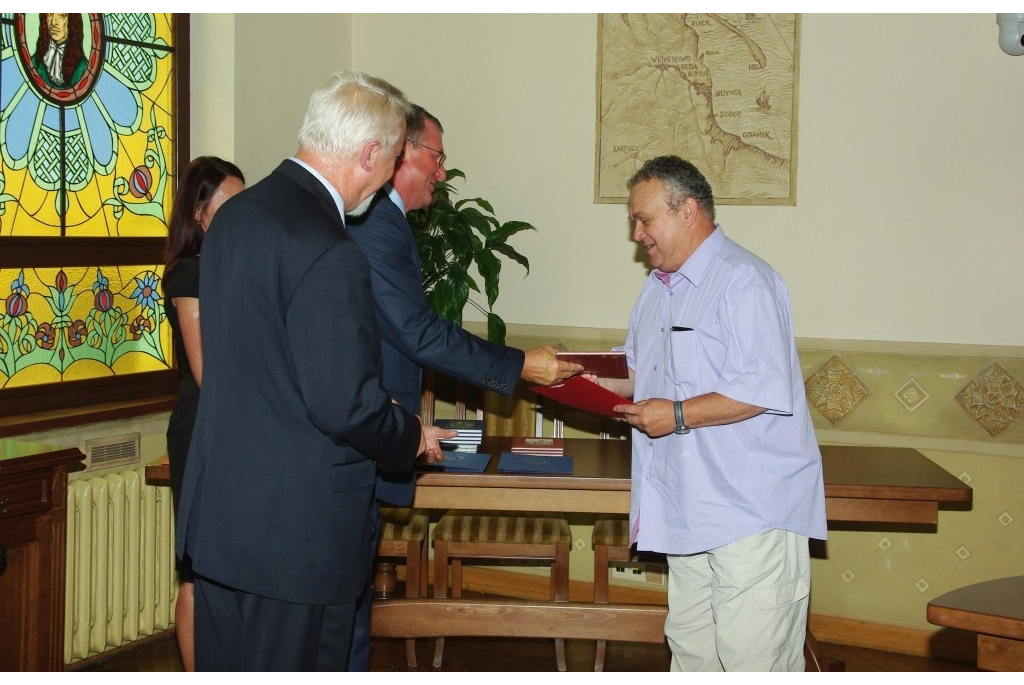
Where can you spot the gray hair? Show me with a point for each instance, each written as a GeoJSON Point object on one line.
{"type": "Point", "coordinates": [350, 109]}
{"type": "Point", "coordinates": [416, 123]}
{"type": "Point", "coordinates": [681, 179]}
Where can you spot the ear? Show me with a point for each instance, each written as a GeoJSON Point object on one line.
{"type": "Point", "coordinates": [369, 155]}
{"type": "Point", "coordinates": [689, 210]}
{"type": "Point", "coordinates": [200, 218]}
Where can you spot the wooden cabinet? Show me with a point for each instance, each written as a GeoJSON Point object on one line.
{"type": "Point", "coordinates": [33, 535]}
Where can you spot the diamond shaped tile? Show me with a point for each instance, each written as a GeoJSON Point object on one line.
{"type": "Point", "coordinates": [911, 395]}
{"type": "Point", "coordinates": [994, 399]}
{"type": "Point", "coordinates": [834, 390]}
{"type": "Point", "coordinates": [966, 478]}
{"type": "Point", "coordinates": [922, 585]}
{"type": "Point", "coordinates": [847, 575]}
{"type": "Point", "coordinates": [885, 544]}
{"type": "Point", "coordinates": [1005, 519]}
{"type": "Point", "coordinates": [963, 553]}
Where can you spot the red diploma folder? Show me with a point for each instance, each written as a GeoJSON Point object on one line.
{"type": "Point", "coordinates": [582, 394]}
{"type": "Point", "coordinates": [600, 364]}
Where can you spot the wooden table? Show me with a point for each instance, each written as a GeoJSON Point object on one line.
{"type": "Point", "coordinates": [994, 610]}
{"type": "Point", "coordinates": [862, 484]}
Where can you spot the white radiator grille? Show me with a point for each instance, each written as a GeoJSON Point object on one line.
{"type": "Point", "coordinates": [117, 450]}
{"type": "Point", "coordinates": [121, 583]}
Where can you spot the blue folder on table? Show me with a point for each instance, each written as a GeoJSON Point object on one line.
{"type": "Point", "coordinates": [464, 461]}
{"type": "Point", "coordinates": [534, 463]}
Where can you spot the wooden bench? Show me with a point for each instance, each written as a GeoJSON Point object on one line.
{"type": "Point", "coordinates": [420, 618]}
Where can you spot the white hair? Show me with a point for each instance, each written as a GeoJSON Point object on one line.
{"type": "Point", "coordinates": [349, 110]}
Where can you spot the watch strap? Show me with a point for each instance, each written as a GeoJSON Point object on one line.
{"type": "Point", "coordinates": [681, 428]}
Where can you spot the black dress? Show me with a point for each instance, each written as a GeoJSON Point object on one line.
{"type": "Point", "coordinates": [181, 281]}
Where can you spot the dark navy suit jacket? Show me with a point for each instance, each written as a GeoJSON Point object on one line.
{"type": "Point", "coordinates": [293, 419]}
{"type": "Point", "coordinates": [413, 335]}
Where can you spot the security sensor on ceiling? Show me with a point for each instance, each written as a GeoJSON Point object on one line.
{"type": "Point", "coordinates": [1011, 33]}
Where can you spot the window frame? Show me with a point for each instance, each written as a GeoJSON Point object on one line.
{"type": "Point", "coordinates": [58, 404]}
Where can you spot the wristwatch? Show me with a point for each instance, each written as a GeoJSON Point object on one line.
{"type": "Point", "coordinates": [681, 428]}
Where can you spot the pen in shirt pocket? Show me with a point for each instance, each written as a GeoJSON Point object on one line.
{"type": "Point", "coordinates": [677, 329]}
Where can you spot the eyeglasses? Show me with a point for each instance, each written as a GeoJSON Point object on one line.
{"type": "Point", "coordinates": [440, 153]}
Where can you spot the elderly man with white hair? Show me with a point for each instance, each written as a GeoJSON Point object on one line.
{"type": "Point", "coordinates": [293, 420]}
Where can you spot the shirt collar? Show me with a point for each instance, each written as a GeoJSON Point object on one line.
{"type": "Point", "coordinates": [338, 200]}
{"type": "Point", "coordinates": [395, 197]}
{"type": "Point", "coordinates": [693, 268]}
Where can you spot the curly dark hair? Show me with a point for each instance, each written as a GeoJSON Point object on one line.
{"type": "Point", "coordinates": [74, 50]}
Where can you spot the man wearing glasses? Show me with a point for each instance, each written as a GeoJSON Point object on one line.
{"type": "Point", "coordinates": [412, 334]}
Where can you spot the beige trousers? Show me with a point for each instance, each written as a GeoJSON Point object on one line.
{"type": "Point", "coordinates": [740, 607]}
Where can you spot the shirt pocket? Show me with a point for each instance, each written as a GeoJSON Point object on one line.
{"type": "Point", "coordinates": [683, 364]}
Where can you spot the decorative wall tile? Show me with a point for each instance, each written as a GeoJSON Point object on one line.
{"type": "Point", "coordinates": [994, 399]}
{"type": "Point", "coordinates": [835, 390]}
{"type": "Point", "coordinates": [922, 585]}
{"type": "Point", "coordinates": [966, 478]}
{"type": "Point", "coordinates": [911, 395]}
{"type": "Point", "coordinates": [847, 576]}
{"type": "Point", "coordinates": [963, 553]}
{"type": "Point", "coordinates": [884, 544]}
{"type": "Point", "coordinates": [1005, 519]}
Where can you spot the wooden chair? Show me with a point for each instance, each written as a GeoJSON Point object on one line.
{"type": "Point", "coordinates": [463, 535]}
{"type": "Point", "coordinates": [403, 535]}
{"type": "Point", "coordinates": [611, 543]}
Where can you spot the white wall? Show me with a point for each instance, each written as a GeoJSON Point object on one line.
{"type": "Point", "coordinates": [212, 100]}
{"type": "Point", "coordinates": [909, 189]}
{"type": "Point", "coordinates": [252, 75]}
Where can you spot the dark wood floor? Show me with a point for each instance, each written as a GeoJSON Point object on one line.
{"type": "Point", "coordinates": [493, 654]}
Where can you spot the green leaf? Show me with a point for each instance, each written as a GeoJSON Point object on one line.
{"type": "Point", "coordinates": [510, 228]}
{"type": "Point", "coordinates": [495, 329]}
{"type": "Point", "coordinates": [453, 235]}
{"type": "Point", "coordinates": [510, 252]}
{"type": "Point", "coordinates": [490, 268]}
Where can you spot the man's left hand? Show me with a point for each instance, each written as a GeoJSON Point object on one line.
{"type": "Point", "coordinates": [655, 417]}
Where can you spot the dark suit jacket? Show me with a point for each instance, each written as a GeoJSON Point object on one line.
{"type": "Point", "coordinates": [413, 334]}
{"type": "Point", "coordinates": [293, 415]}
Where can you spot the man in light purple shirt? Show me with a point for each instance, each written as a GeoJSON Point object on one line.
{"type": "Point", "coordinates": [726, 476]}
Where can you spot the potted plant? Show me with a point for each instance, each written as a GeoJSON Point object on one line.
{"type": "Point", "coordinates": [452, 236]}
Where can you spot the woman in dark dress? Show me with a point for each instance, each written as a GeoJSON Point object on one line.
{"type": "Point", "coordinates": [205, 184]}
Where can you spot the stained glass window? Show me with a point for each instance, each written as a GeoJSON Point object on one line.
{"type": "Point", "coordinates": [90, 137]}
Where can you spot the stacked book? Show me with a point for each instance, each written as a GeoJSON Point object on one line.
{"type": "Point", "coordinates": [536, 455]}
{"type": "Point", "coordinates": [552, 447]}
{"type": "Point", "coordinates": [471, 431]}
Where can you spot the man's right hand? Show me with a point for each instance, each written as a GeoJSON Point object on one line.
{"type": "Point", "coordinates": [542, 367]}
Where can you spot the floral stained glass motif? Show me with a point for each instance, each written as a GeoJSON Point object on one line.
{"type": "Point", "coordinates": [87, 106]}
{"type": "Point", "coordinates": [91, 322]}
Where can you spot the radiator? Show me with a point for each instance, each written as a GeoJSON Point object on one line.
{"type": "Point", "coordinates": [121, 583]}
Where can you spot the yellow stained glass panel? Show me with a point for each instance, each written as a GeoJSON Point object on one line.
{"type": "Point", "coordinates": [82, 322]}
{"type": "Point", "coordinates": [92, 155]}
